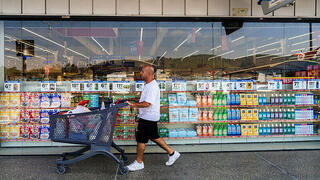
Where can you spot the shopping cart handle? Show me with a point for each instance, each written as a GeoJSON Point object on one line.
{"type": "Point", "coordinates": [121, 105]}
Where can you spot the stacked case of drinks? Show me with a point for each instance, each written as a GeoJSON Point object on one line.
{"type": "Point", "coordinates": [218, 129]}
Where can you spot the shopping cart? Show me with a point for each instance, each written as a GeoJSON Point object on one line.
{"type": "Point", "coordinates": [93, 129]}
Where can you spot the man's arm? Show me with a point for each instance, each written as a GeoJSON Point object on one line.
{"type": "Point", "coordinates": [139, 104]}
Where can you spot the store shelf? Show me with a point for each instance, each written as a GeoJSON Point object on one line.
{"type": "Point", "coordinates": [243, 106]}
{"type": "Point", "coordinates": [231, 137]}
{"type": "Point", "coordinates": [24, 124]}
{"type": "Point", "coordinates": [26, 108]}
{"type": "Point", "coordinates": [25, 140]}
{"type": "Point", "coordinates": [243, 121]}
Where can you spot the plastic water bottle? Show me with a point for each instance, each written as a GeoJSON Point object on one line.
{"type": "Point", "coordinates": [229, 114]}
{"type": "Point", "coordinates": [260, 99]}
{"type": "Point", "coordinates": [237, 99]}
{"type": "Point", "coordinates": [272, 99]}
{"type": "Point", "coordinates": [229, 99]}
{"type": "Point", "coordinates": [260, 114]}
{"type": "Point", "coordinates": [293, 99]}
{"type": "Point", "coordinates": [238, 127]}
{"type": "Point", "coordinates": [233, 99]}
{"type": "Point", "coordinates": [280, 99]}
{"type": "Point", "coordinates": [238, 114]}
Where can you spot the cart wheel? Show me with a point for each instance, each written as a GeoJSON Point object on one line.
{"type": "Point", "coordinates": [124, 158]}
{"type": "Point", "coordinates": [124, 170]}
{"type": "Point", "coordinates": [61, 169]}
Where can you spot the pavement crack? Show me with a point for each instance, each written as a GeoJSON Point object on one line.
{"type": "Point", "coordinates": [276, 166]}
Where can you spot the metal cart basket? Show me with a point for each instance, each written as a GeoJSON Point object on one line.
{"type": "Point", "coordinates": [93, 129]}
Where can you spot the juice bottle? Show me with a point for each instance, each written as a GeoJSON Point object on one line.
{"type": "Point", "coordinates": [268, 129]}
{"type": "Point", "coordinates": [293, 99]}
{"type": "Point", "coordinates": [264, 99]}
{"type": "Point", "coordinates": [233, 130]}
{"type": "Point", "coordinates": [210, 130]}
{"type": "Point", "coordinates": [280, 99]}
{"type": "Point", "coordinates": [204, 100]}
{"type": "Point", "coordinates": [205, 130]}
{"type": "Point", "coordinates": [238, 114]}
{"type": "Point", "coordinates": [238, 128]}
{"type": "Point", "coordinates": [198, 99]}
{"type": "Point", "coordinates": [293, 130]}
{"type": "Point", "coordinates": [260, 100]}
{"type": "Point", "coordinates": [210, 100]}
{"type": "Point", "coordinates": [229, 130]}
{"type": "Point", "coordinates": [260, 114]}
{"type": "Point", "coordinates": [229, 114]}
{"type": "Point", "coordinates": [233, 114]}
{"type": "Point", "coordinates": [233, 99]}
{"type": "Point", "coordinates": [210, 115]}
{"type": "Point", "coordinates": [237, 99]}
{"type": "Point", "coordinates": [260, 129]}
{"type": "Point", "coordinates": [285, 99]}
{"type": "Point", "coordinates": [229, 99]}
{"type": "Point", "coordinates": [284, 114]}
{"type": "Point", "coordinates": [272, 99]}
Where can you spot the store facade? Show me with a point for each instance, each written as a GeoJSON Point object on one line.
{"type": "Point", "coordinates": [225, 82]}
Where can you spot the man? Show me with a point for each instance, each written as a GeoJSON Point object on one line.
{"type": "Point", "coordinates": [149, 115]}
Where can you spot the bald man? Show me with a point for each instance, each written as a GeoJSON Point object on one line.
{"type": "Point", "coordinates": [149, 115]}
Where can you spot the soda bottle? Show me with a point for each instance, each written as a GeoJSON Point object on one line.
{"type": "Point", "coordinates": [225, 130]}
{"type": "Point", "coordinates": [224, 100]}
{"type": "Point", "coordinates": [215, 100]}
{"type": "Point", "coordinates": [216, 130]}
{"type": "Point", "coordinates": [220, 129]}
{"type": "Point", "coordinates": [224, 115]}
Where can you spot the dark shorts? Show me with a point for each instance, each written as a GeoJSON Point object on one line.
{"type": "Point", "coordinates": [146, 130]}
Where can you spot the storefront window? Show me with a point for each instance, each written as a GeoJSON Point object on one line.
{"type": "Point", "coordinates": [254, 80]}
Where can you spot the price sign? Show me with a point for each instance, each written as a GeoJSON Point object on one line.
{"type": "Point", "coordinates": [75, 86]}
{"type": "Point", "coordinates": [214, 85]}
{"type": "Point", "coordinates": [227, 85]}
{"type": "Point", "coordinates": [12, 86]}
{"type": "Point", "coordinates": [103, 86]}
{"type": "Point", "coordinates": [48, 86]}
{"type": "Point", "coordinates": [299, 84]}
{"type": "Point", "coordinates": [313, 84]}
{"type": "Point", "coordinates": [89, 86]}
{"type": "Point", "coordinates": [179, 85]}
{"type": "Point", "coordinates": [121, 86]}
{"type": "Point", "coordinates": [162, 85]}
{"type": "Point", "coordinates": [203, 85]}
{"type": "Point", "coordinates": [274, 85]}
{"type": "Point", "coordinates": [249, 85]}
{"type": "Point", "coordinates": [139, 85]}
{"type": "Point", "coordinates": [241, 85]}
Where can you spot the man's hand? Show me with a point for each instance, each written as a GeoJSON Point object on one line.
{"type": "Point", "coordinates": [130, 103]}
{"type": "Point", "coordinates": [139, 105]}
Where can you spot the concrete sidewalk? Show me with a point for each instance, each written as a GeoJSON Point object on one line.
{"type": "Point", "coordinates": [233, 165]}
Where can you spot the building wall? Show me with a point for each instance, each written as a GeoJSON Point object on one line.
{"type": "Point", "coordinates": [180, 8]}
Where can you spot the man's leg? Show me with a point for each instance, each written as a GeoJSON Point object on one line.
{"type": "Point", "coordinates": [140, 150]}
{"type": "Point", "coordinates": [163, 145]}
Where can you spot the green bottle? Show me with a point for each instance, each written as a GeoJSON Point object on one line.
{"type": "Point", "coordinates": [220, 118]}
{"type": "Point", "coordinates": [284, 114]}
{"type": "Point", "coordinates": [216, 130]}
{"type": "Point", "coordinates": [215, 100]}
{"type": "Point", "coordinates": [293, 114]}
{"type": "Point", "coordinates": [219, 100]}
{"type": "Point", "coordinates": [216, 115]}
{"type": "Point", "coordinates": [224, 100]}
{"type": "Point", "coordinates": [220, 130]}
{"type": "Point", "coordinates": [224, 116]}
{"type": "Point", "coordinates": [293, 130]}
{"type": "Point", "coordinates": [293, 99]}
{"type": "Point", "coordinates": [225, 130]}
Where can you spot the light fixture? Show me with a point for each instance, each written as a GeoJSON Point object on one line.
{"type": "Point", "coordinates": [267, 50]}
{"type": "Point", "coordinates": [302, 42]}
{"type": "Point", "coordinates": [103, 49]}
{"type": "Point", "coordinates": [184, 41]}
{"type": "Point", "coordinates": [241, 37]}
{"type": "Point", "coordinates": [221, 54]}
{"type": "Point", "coordinates": [215, 48]}
{"type": "Point", "coordinates": [301, 35]}
{"type": "Point", "coordinates": [189, 54]}
{"type": "Point", "coordinates": [60, 45]}
{"type": "Point", "coordinates": [12, 57]}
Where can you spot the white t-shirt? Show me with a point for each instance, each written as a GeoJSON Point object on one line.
{"type": "Point", "coordinates": [80, 109]}
{"type": "Point", "coordinates": [150, 94]}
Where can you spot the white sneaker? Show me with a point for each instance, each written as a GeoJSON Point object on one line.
{"type": "Point", "coordinates": [173, 158]}
{"type": "Point", "coordinates": [135, 166]}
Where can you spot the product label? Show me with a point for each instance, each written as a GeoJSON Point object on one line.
{"type": "Point", "coordinates": [299, 84]}
{"type": "Point", "coordinates": [121, 86]}
{"type": "Point", "coordinates": [139, 85]}
{"type": "Point", "coordinates": [179, 85]}
{"type": "Point", "coordinates": [48, 86]}
{"type": "Point", "coordinates": [103, 86]}
{"type": "Point", "coordinates": [90, 86]}
{"type": "Point", "coordinates": [214, 85]}
{"type": "Point", "coordinates": [75, 86]}
{"type": "Point", "coordinates": [162, 85]}
{"type": "Point", "coordinates": [313, 84]}
{"type": "Point", "coordinates": [12, 86]}
{"type": "Point", "coordinates": [274, 84]}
